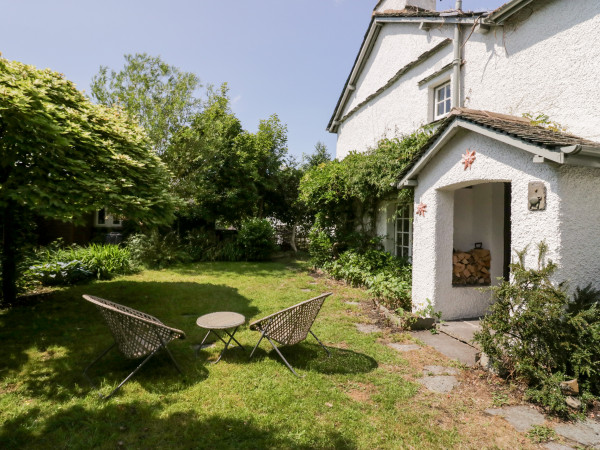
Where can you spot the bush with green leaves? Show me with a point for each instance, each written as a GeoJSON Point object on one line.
{"type": "Point", "coordinates": [320, 246]}
{"type": "Point", "coordinates": [59, 265]}
{"type": "Point", "coordinates": [256, 239]}
{"type": "Point", "coordinates": [536, 333]}
{"type": "Point", "coordinates": [387, 278]}
{"type": "Point", "coordinates": [155, 250]}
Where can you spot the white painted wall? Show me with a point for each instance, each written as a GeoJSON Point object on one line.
{"type": "Point", "coordinates": [548, 63]}
{"type": "Point", "coordinates": [579, 189]}
{"type": "Point", "coordinates": [434, 233]}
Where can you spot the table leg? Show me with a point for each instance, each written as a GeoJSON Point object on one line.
{"type": "Point", "coordinates": [228, 342]}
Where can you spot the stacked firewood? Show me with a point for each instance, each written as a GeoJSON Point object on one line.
{"type": "Point", "coordinates": [471, 268]}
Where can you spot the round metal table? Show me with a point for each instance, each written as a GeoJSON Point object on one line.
{"type": "Point", "coordinates": [224, 321]}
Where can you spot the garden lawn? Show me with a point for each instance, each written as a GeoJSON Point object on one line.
{"type": "Point", "coordinates": [364, 396]}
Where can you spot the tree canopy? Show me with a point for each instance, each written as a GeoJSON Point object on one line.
{"type": "Point", "coordinates": [223, 172]}
{"type": "Point", "coordinates": [62, 156]}
{"type": "Point", "coordinates": [162, 97]}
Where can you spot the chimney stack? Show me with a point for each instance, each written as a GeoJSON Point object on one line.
{"type": "Point", "coordinates": [397, 5]}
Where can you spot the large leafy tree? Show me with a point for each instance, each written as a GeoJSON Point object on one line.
{"type": "Point", "coordinates": [224, 173]}
{"type": "Point", "coordinates": [212, 165]}
{"type": "Point", "coordinates": [61, 156]}
{"type": "Point", "coordinates": [161, 96]}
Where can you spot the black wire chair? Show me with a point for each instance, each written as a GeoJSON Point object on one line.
{"type": "Point", "coordinates": [136, 335]}
{"type": "Point", "coordinates": [290, 326]}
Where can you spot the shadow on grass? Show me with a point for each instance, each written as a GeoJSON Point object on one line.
{"type": "Point", "coordinates": [48, 344]}
{"type": "Point", "coordinates": [313, 358]}
{"type": "Point", "coordinates": [143, 425]}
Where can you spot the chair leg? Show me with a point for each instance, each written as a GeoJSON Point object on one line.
{"type": "Point", "coordinates": [256, 346]}
{"type": "Point", "coordinates": [94, 362]}
{"type": "Point", "coordinates": [172, 358]}
{"type": "Point", "coordinates": [284, 360]}
{"type": "Point", "coordinates": [133, 373]}
{"type": "Point", "coordinates": [315, 336]}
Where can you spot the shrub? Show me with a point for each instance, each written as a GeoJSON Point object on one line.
{"type": "Point", "coordinates": [535, 334]}
{"type": "Point", "coordinates": [58, 265]}
{"type": "Point", "coordinates": [387, 278]}
{"type": "Point", "coordinates": [255, 240]}
{"type": "Point", "coordinates": [320, 246]}
{"type": "Point", "coordinates": [202, 245]}
{"type": "Point", "coordinates": [155, 250]}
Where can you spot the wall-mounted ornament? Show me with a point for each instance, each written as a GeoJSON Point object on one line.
{"type": "Point", "coordinates": [536, 198]}
{"type": "Point", "coordinates": [421, 209]}
{"type": "Point", "coordinates": [468, 159]}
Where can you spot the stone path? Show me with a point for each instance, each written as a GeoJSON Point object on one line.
{"type": "Point", "coordinates": [451, 343]}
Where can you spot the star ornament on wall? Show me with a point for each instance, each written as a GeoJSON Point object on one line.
{"type": "Point", "coordinates": [421, 209]}
{"type": "Point", "coordinates": [468, 159]}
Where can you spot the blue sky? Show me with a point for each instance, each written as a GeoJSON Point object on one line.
{"type": "Point", "coordinates": [289, 57]}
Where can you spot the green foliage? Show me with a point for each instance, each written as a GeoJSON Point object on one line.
{"type": "Point", "coordinates": [160, 96]}
{"type": "Point", "coordinates": [320, 246]}
{"type": "Point", "coordinates": [320, 156]}
{"type": "Point", "coordinates": [387, 278]}
{"type": "Point", "coordinates": [256, 239]}
{"type": "Point", "coordinates": [224, 173]}
{"type": "Point", "coordinates": [155, 250]}
{"type": "Point", "coordinates": [343, 192]}
{"type": "Point", "coordinates": [536, 334]}
{"type": "Point", "coordinates": [543, 120]}
{"type": "Point", "coordinates": [57, 265]}
{"type": "Point", "coordinates": [541, 433]}
{"type": "Point", "coordinates": [62, 156]}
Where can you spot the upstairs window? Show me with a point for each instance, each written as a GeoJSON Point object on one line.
{"type": "Point", "coordinates": [442, 101]}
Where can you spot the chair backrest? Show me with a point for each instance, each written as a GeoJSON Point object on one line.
{"type": "Point", "coordinates": [291, 325]}
{"type": "Point", "coordinates": [136, 333]}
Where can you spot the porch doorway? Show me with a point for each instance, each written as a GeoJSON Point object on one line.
{"type": "Point", "coordinates": [481, 239]}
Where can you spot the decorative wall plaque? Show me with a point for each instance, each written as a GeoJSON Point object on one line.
{"type": "Point", "coordinates": [421, 209]}
{"type": "Point", "coordinates": [536, 198]}
{"type": "Point", "coordinates": [468, 158]}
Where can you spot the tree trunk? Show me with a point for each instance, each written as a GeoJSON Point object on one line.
{"type": "Point", "coordinates": [9, 256]}
{"type": "Point", "coordinates": [293, 238]}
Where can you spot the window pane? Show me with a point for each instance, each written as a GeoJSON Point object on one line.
{"type": "Point", "coordinates": [440, 95]}
{"type": "Point", "coordinates": [448, 94]}
{"type": "Point", "coordinates": [448, 105]}
{"type": "Point", "coordinates": [440, 109]}
{"type": "Point", "coordinates": [101, 216]}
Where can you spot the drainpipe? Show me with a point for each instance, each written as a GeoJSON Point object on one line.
{"type": "Point", "coordinates": [456, 81]}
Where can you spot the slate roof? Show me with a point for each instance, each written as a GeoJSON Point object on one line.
{"type": "Point", "coordinates": [517, 127]}
{"type": "Point", "coordinates": [413, 11]}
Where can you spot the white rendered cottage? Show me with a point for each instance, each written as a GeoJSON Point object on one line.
{"type": "Point", "coordinates": [487, 176]}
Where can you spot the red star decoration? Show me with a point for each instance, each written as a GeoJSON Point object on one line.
{"type": "Point", "coordinates": [421, 209]}
{"type": "Point", "coordinates": [468, 159]}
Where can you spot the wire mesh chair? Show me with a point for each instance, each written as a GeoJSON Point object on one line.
{"type": "Point", "coordinates": [136, 335]}
{"type": "Point", "coordinates": [290, 326]}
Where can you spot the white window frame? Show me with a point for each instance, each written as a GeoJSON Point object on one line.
{"type": "Point", "coordinates": [110, 220]}
{"type": "Point", "coordinates": [403, 232]}
{"type": "Point", "coordinates": [445, 102]}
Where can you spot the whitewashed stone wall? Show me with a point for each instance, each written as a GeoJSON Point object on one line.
{"type": "Point", "coordinates": [548, 63]}
{"type": "Point", "coordinates": [434, 233]}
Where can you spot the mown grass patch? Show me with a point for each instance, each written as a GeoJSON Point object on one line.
{"type": "Point", "coordinates": [351, 400]}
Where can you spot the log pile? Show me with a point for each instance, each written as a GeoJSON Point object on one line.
{"type": "Point", "coordinates": [471, 268]}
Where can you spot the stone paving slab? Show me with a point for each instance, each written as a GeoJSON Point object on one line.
{"type": "Point", "coordinates": [461, 330]}
{"type": "Point", "coordinates": [352, 303]}
{"type": "Point", "coordinates": [440, 383]}
{"type": "Point", "coordinates": [522, 418]}
{"type": "Point", "coordinates": [439, 370]}
{"type": "Point", "coordinates": [556, 446]}
{"type": "Point", "coordinates": [404, 347]}
{"type": "Point", "coordinates": [448, 346]}
{"type": "Point", "coordinates": [368, 328]}
{"type": "Point", "coordinates": [586, 433]}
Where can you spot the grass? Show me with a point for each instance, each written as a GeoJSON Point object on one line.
{"type": "Point", "coordinates": [364, 396]}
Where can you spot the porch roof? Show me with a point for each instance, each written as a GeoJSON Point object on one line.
{"type": "Point", "coordinates": [544, 144]}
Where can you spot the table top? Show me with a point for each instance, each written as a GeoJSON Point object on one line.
{"type": "Point", "coordinates": [220, 320]}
